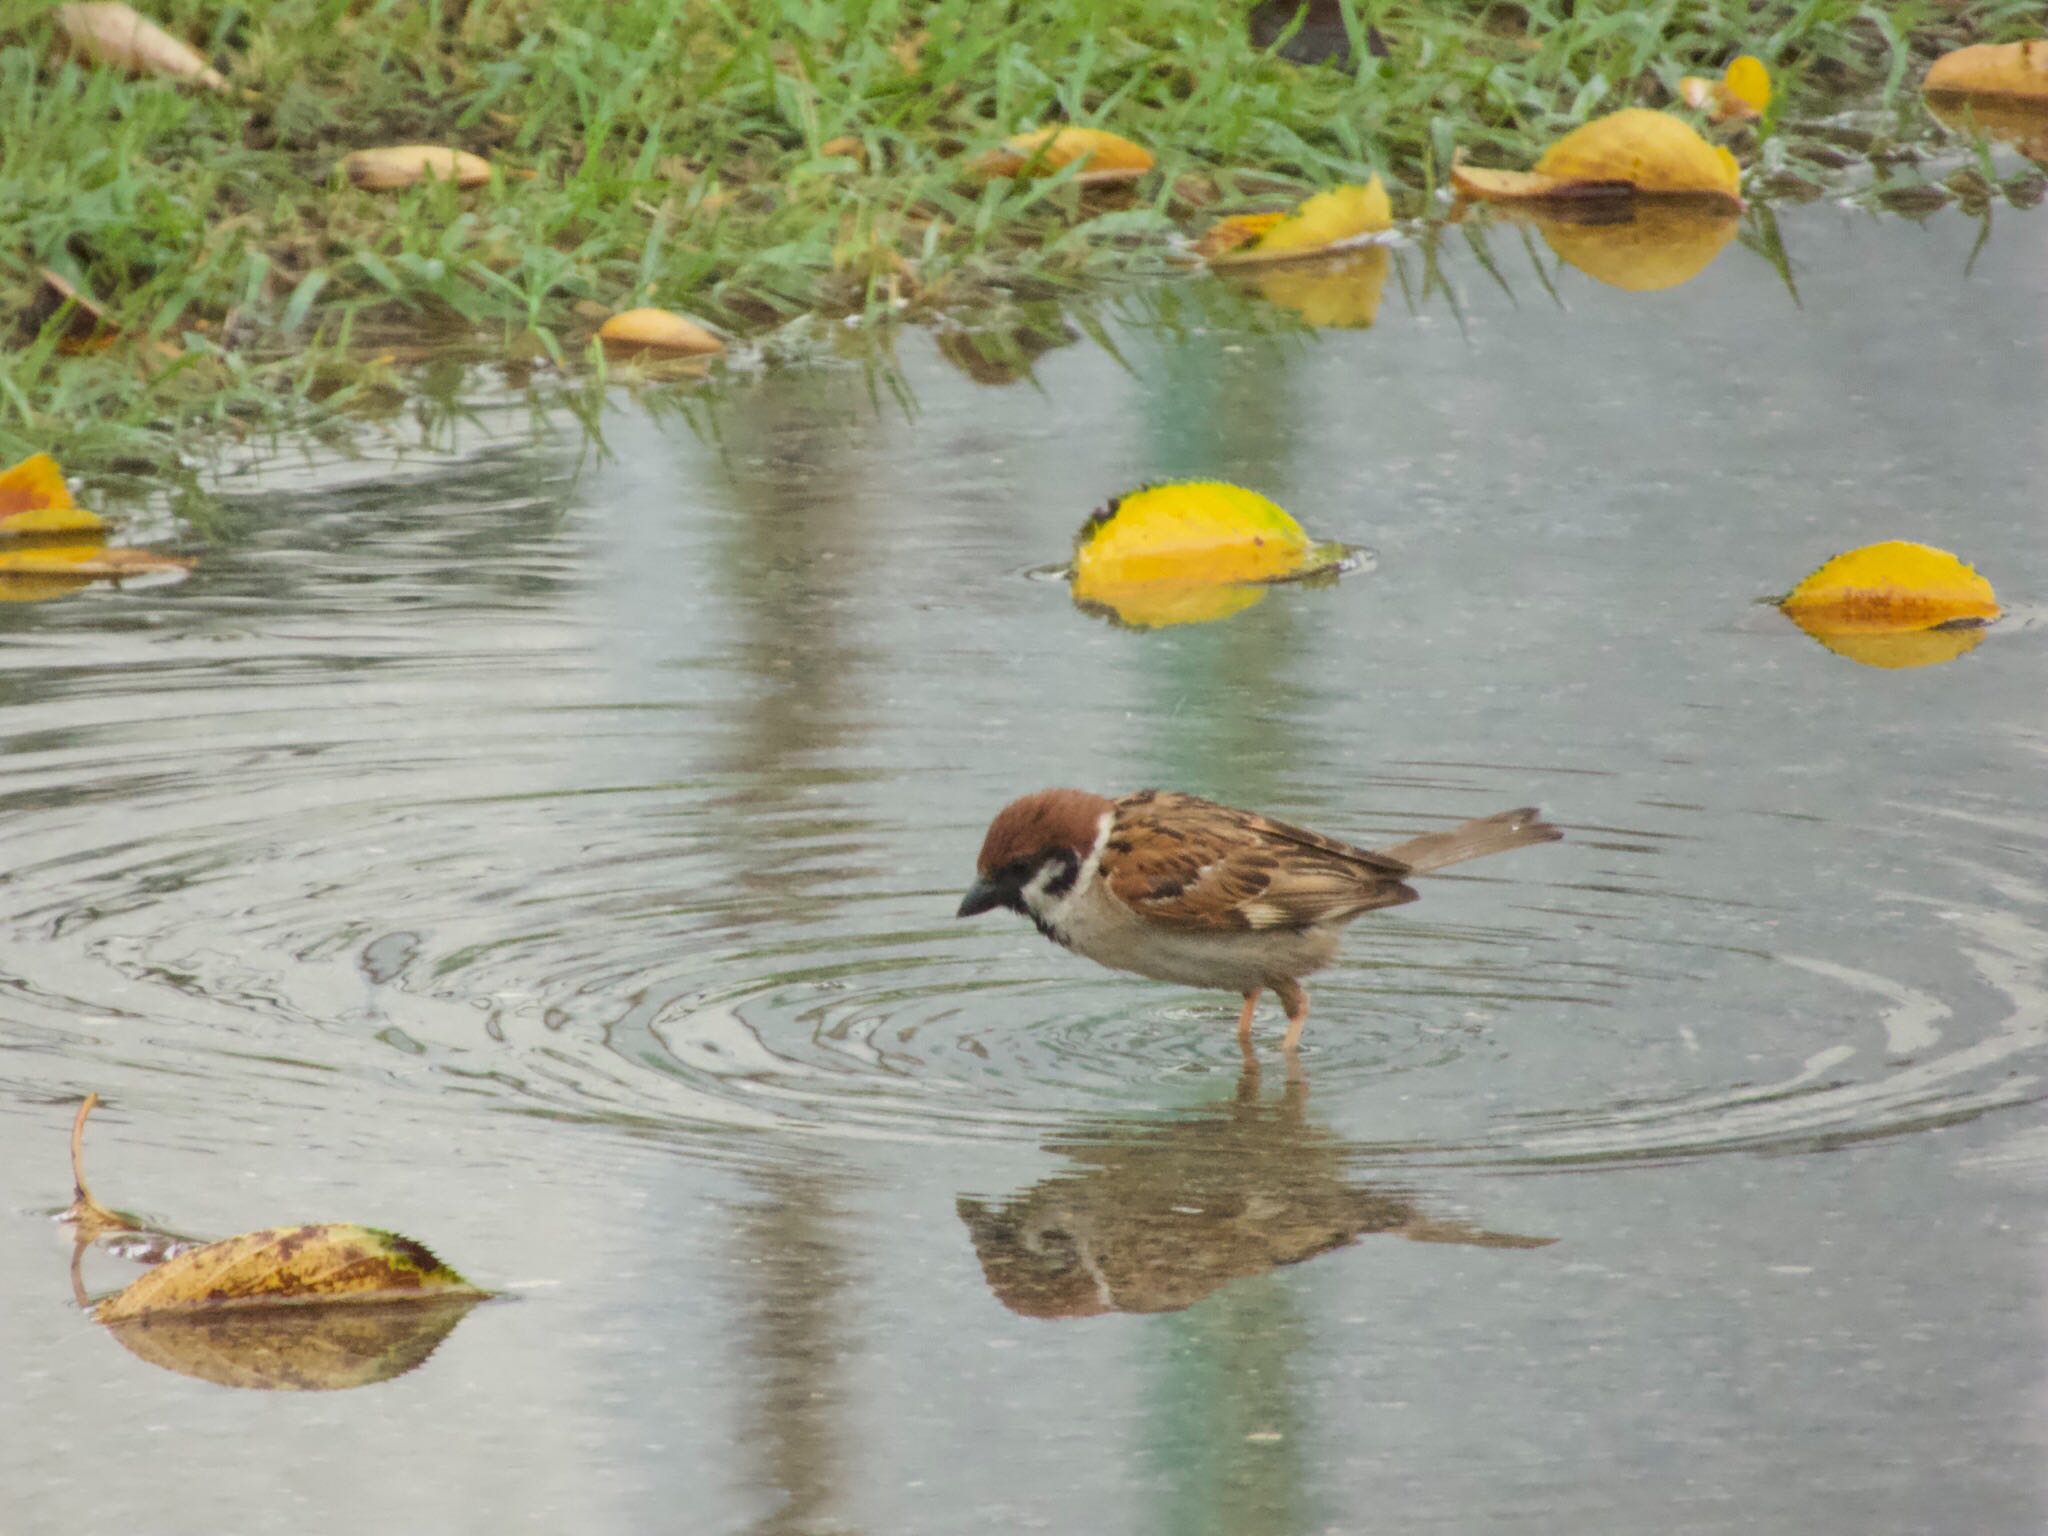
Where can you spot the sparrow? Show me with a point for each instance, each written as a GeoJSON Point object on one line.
{"type": "Point", "coordinates": [1185, 890]}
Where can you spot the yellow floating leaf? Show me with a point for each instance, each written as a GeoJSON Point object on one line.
{"type": "Point", "coordinates": [2015, 70]}
{"type": "Point", "coordinates": [89, 561]}
{"type": "Point", "coordinates": [1657, 154]}
{"type": "Point", "coordinates": [1228, 234]}
{"type": "Point", "coordinates": [35, 500]}
{"type": "Point", "coordinates": [405, 165]}
{"type": "Point", "coordinates": [294, 1349]}
{"type": "Point", "coordinates": [334, 1264]}
{"type": "Point", "coordinates": [1653, 246]}
{"type": "Point", "coordinates": [1343, 293]}
{"type": "Point", "coordinates": [1631, 153]}
{"type": "Point", "coordinates": [1490, 186]}
{"type": "Point", "coordinates": [657, 330]}
{"type": "Point", "coordinates": [1890, 587]}
{"type": "Point", "coordinates": [115, 35]}
{"type": "Point", "coordinates": [1189, 552]}
{"type": "Point", "coordinates": [1326, 222]}
{"type": "Point", "coordinates": [1108, 156]}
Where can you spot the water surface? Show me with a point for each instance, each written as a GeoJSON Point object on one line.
{"type": "Point", "coordinates": [552, 856]}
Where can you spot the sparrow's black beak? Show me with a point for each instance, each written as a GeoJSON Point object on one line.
{"type": "Point", "coordinates": [984, 895]}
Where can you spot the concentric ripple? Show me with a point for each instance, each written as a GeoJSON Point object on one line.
{"type": "Point", "coordinates": [414, 815]}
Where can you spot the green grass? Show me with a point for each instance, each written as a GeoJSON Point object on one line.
{"type": "Point", "coordinates": [673, 153]}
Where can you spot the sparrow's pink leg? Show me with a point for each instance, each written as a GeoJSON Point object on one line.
{"type": "Point", "coordinates": [1294, 998]}
{"type": "Point", "coordinates": [1244, 1020]}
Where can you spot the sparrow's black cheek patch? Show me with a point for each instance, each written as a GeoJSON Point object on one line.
{"type": "Point", "coordinates": [1069, 871]}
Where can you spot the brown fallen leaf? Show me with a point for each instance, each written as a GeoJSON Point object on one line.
{"type": "Point", "coordinates": [328, 1264]}
{"type": "Point", "coordinates": [116, 35]}
{"type": "Point", "coordinates": [406, 165]}
{"type": "Point", "coordinates": [86, 326]}
{"type": "Point", "coordinates": [657, 330]}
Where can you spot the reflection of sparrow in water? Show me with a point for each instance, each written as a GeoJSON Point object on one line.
{"type": "Point", "coordinates": [1158, 1216]}
{"type": "Point", "coordinates": [1186, 890]}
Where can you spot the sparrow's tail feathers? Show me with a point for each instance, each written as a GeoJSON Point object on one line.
{"type": "Point", "coordinates": [1474, 840]}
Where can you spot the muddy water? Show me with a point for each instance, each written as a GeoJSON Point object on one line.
{"type": "Point", "coordinates": [553, 857]}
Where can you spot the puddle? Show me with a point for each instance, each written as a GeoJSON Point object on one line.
{"type": "Point", "coordinates": [558, 856]}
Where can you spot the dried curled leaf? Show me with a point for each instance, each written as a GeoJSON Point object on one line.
{"type": "Point", "coordinates": [2015, 70]}
{"type": "Point", "coordinates": [1329, 221]}
{"type": "Point", "coordinates": [1043, 151]}
{"type": "Point", "coordinates": [1190, 552]}
{"type": "Point", "coordinates": [1894, 605]}
{"type": "Point", "coordinates": [335, 1264]}
{"type": "Point", "coordinates": [294, 1349]}
{"type": "Point", "coordinates": [1742, 92]}
{"type": "Point", "coordinates": [1632, 153]}
{"type": "Point", "coordinates": [657, 330]}
{"type": "Point", "coordinates": [405, 165]}
{"type": "Point", "coordinates": [34, 500]}
{"type": "Point", "coordinates": [114, 34]}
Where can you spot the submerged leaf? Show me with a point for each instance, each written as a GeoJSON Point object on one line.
{"type": "Point", "coordinates": [405, 165]}
{"type": "Point", "coordinates": [1889, 587]}
{"type": "Point", "coordinates": [1108, 156]}
{"type": "Point", "coordinates": [1328, 221]}
{"type": "Point", "coordinates": [335, 1264]}
{"type": "Point", "coordinates": [115, 35]}
{"type": "Point", "coordinates": [86, 326]}
{"type": "Point", "coordinates": [657, 330]}
{"type": "Point", "coordinates": [35, 500]}
{"type": "Point", "coordinates": [1631, 153]}
{"type": "Point", "coordinates": [295, 1349]}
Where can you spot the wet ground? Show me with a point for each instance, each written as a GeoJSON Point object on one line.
{"type": "Point", "coordinates": [553, 857]}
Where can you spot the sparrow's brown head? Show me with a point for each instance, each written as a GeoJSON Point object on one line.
{"type": "Point", "coordinates": [1051, 832]}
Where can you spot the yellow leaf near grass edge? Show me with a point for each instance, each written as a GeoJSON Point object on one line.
{"type": "Point", "coordinates": [1044, 151]}
{"type": "Point", "coordinates": [2013, 70]}
{"type": "Point", "coordinates": [1328, 221]}
{"type": "Point", "coordinates": [35, 500]}
{"type": "Point", "coordinates": [1636, 152]}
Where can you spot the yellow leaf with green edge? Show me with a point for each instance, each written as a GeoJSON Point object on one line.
{"type": "Point", "coordinates": [2015, 70]}
{"type": "Point", "coordinates": [35, 500]}
{"type": "Point", "coordinates": [1658, 245]}
{"type": "Point", "coordinates": [294, 1349]}
{"type": "Point", "coordinates": [1043, 151]}
{"type": "Point", "coordinates": [1191, 531]}
{"type": "Point", "coordinates": [1327, 221]}
{"type": "Point", "coordinates": [1893, 586]}
{"type": "Point", "coordinates": [290, 1266]}
{"type": "Point", "coordinates": [1655, 153]}
{"type": "Point", "coordinates": [1341, 293]}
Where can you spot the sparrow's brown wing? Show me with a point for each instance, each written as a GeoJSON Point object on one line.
{"type": "Point", "coordinates": [1194, 864]}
